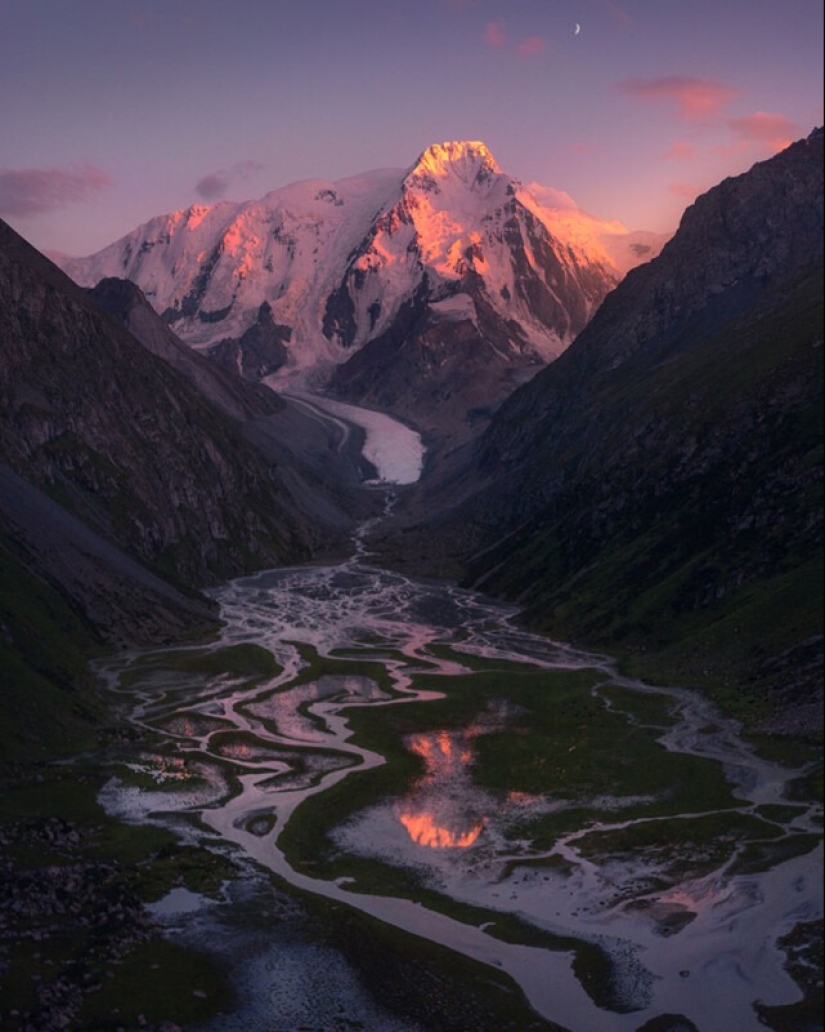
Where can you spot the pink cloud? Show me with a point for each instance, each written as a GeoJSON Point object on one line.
{"type": "Point", "coordinates": [679, 152]}
{"type": "Point", "coordinates": [618, 12]}
{"type": "Point", "coordinates": [32, 191]}
{"type": "Point", "coordinates": [694, 98]}
{"type": "Point", "coordinates": [687, 190]}
{"type": "Point", "coordinates": [532, 45]}
{"type": "Point", "coordinates": [215, 185]}
{"type": "Point", "coordinates": [494, 34]}
{"type": "Point", "coordinates": [777, 131]}
{"type": "Point", "coordinates": [583, 148]}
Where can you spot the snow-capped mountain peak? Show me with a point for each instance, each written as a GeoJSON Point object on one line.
{"type": "Point", "coordinates": [469, 162]}
{"type": "Point", "coordinates": [451, 241]}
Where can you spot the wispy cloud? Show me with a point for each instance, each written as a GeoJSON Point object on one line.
{"type": "Point", "coordinates": [694, 98]}
{"type": "Point", "coordinates": [497, 39]}
{"type": "Point", "coordinates": [583, 148]}
{"type": "Point", "coordinates": [530, 46]}
{"type": "Point", "coordinates": [215, 185]}
{"type": "Point", "coordinates": [777, 131]}
{"type": "Point", "coordinates": [618, 12]}
{"type": "Point", "coordinates": [33, 191]}
{"type": "Point", "coordinates": [212, 186]}
{"type": "Point", "coordinates": [494, 35]}
{"type": "Point", "coordinates": [686, 190]}
{"type": "Point", "coordinates": [679, 152]}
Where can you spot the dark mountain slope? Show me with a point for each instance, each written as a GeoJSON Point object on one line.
{"type": "Point", "coordinates": [123, 440]}
{"type": "Point", "coordinates": [695, 527]}
{"type": "Point", "coordinates": [657, 489]}
{"type": "Point", "coordinates": [237, 398]}
{"type": "Point", "coordinates": [321, 481]}
{"type": "Point", "coordinates": [65, 594]}
{"type": "Point", "coordinates": [122, 490]}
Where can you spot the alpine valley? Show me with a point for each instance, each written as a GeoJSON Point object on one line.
{"type": "Point", "coordinates": [312, 508]}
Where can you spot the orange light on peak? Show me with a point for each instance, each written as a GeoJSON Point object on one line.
{"type": "Point", "coordinates": [424, 831]}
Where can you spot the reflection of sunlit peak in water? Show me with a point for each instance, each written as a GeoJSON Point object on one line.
{"type": "Point", "coordinates": [424, 831]}
{"type": "Point", "coordinates": [445, 753]}
{"type": "Point", "coordinates": [438, 812]}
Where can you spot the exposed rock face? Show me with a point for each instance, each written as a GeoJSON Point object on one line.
{"type": "Point", "coordinates": [127, 303]}
{"type": "Point", "coordinates": [122, 602]}
{"type": "Point", "coordinates": [741, 240]}
{"type": "Point", "coordinates": [736, 241]}
{"type": "Point", "coordinates": [443, 367]}
{"type": "Point", "coordinates": [260, 351]}
{"type": "Point", "coordinates": [460, 229]}
{"type": "Point", "coordinates": [493, 295]}
{"type": "Point", "coordinates": [320, 481]}
{"type": "Point", "coordinates": [661, 482]}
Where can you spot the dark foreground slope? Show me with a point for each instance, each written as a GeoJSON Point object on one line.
{"type": "Point", "coordinates": [124, 490]}
{"type": "Point", "coordinates": [658, 489]}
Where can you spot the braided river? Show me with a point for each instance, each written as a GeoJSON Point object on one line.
{"type": "Point", "coordinates": [401, 747]}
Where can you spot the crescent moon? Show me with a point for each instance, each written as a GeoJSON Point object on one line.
{"type": "Point", "coordinates": [577, 29]}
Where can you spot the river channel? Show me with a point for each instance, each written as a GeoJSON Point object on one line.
{"type": "Point", "coordinates": [246, 753]}
{"type": "Point", "coordinates": [528, 807]}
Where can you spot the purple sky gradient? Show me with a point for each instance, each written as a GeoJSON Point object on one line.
{"type": "Point", "coordinates": [117, 110]}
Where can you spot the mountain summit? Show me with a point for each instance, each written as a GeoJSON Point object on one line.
{"type": "Point", "coordinates": [452, 241]}
{"type": "Point", "coordinates": [470, 162]}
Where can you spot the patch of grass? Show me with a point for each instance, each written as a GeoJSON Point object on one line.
{"type": "Point", "coordinates": [420, 980]}
{"type": "Point", "coordinates": [162, 982]}
{"type": "Point", "coordinates": [651, 708]}
{"type": "Point", "coordinates": [317, 666]}
{"type": "Point", "coordinates": [245, 662]}
{"type": "Point", "coordinates": [757, 857]}
{"type": "Point", "coordinates": [174, 864]}
{"type": "Point", "coordinates": [683, 847]}
{"type": "Point", "coordinates": [84, 876]}
{"type": "Point", "coordinates": [804, 950]}
{"type": "Point", "coordinates": [779, 813]}
{"type": "Point", "coordinates": [48, 703]}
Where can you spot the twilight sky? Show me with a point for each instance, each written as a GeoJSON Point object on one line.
{"type": "Point", "coordinates": [117, 110]}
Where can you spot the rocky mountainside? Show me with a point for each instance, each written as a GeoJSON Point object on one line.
{"type": "Point", "coordinates": [659, 486]}
{"type": "Point", "coordinates": [127, 303]}
{"type": "Point", "coordinates": [123, 440]}
{"type": "Point", "coordinates": [401, 268]}
{"type": "Point", "coordinates": [321, 480]}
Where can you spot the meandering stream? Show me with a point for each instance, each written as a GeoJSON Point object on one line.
{"type": "Point", "coordinates": [694, 934]}
{"type": "Point", "coordinates": [712, 969]}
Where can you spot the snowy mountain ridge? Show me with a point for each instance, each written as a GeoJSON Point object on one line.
{"type": "Point", "coordinates": [339, 263]}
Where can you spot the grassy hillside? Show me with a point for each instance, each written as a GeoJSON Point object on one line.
{"type": "Point", "coordinates": [46, 708]}
{"type": "Point", "coordinates": [688, 530]}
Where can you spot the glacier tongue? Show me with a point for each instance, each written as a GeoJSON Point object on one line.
{"type": "Point", "coordinates": [395, 450]}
